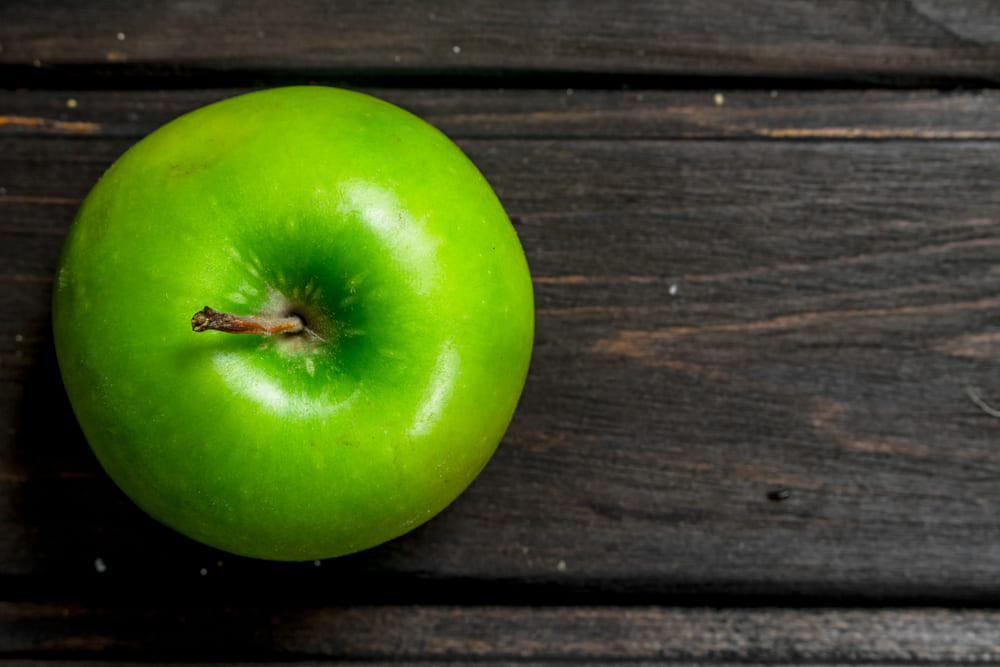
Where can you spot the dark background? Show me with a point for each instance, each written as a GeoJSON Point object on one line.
{"type": "Point", "coordinates": [764, 244]}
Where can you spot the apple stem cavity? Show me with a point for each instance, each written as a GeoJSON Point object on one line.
{"type": "Point", "coordinates": [208, 318]}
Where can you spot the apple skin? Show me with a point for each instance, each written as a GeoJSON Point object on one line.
{"type": "Point", "coordinates": [345, 210]}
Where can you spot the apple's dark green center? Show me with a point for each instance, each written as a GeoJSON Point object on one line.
{"type": "Point", "coordinates": [317, 324]}
{"type": "Point", "coordinates": [299, 313]}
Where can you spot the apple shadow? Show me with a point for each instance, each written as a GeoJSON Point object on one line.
{"type": "Point", "coordinates": [71, 528]}
{"type": "Point", "coordinates": [66, 507]}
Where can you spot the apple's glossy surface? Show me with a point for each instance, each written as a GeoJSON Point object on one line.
{"type": "Point", "coordinates": [381, 235]}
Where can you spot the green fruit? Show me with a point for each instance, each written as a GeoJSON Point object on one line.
{"type": "Point", "coordinates": [360, 222]}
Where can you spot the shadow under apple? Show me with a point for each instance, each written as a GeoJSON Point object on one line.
{"type": "Point", "coordinates": [70, 527]}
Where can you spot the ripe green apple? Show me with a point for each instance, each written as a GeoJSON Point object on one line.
{"type": "Point", "coordinates": [390, 289]}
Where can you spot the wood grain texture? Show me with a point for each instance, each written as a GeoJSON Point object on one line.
{"type": "Point", "coordinates": [543, 635]}
{"type": "Point", "coordinates": [869, 115]}
{"type": "Point", "coordinates": [851, 39]}
{"type": "Point", "coordinates": [719, 320]}
{"type": "Point", "coordinates": [393, 663]}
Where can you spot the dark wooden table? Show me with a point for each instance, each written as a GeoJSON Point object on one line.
{"type": "Point", "coordinates": [765, 242]}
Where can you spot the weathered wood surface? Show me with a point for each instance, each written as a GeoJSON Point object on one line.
{"type": "Point", "coordinates": [855, 40]}
{"type": "Point", "coordinates": [509, 634]}
{"type": "Point", "coordinates": [761, 305]}
{"type": "Point", "coordinates": [829, 115]}
{"type": "Point", "coordinates": [719, 320]}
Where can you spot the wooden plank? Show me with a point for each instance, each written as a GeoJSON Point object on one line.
{"type": "Point", "coordinates": [392, 663]}
{"type": "Point", "coordinates": [373, 663]}
{"type": "Point", "coordinates": [569, 114]}
{"type": "Point", "coordinates": [848, 40]}
{"type": "Point", "coordinates": [546, 634]}
{"type": "Point", "coordinates": [718, 322]}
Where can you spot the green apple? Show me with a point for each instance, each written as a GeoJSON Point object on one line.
{"type": "Point", "coordinates": [392, 297]}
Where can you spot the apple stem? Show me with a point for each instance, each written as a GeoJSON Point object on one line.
{"type": "Point", "coordinates": [207, 318]}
